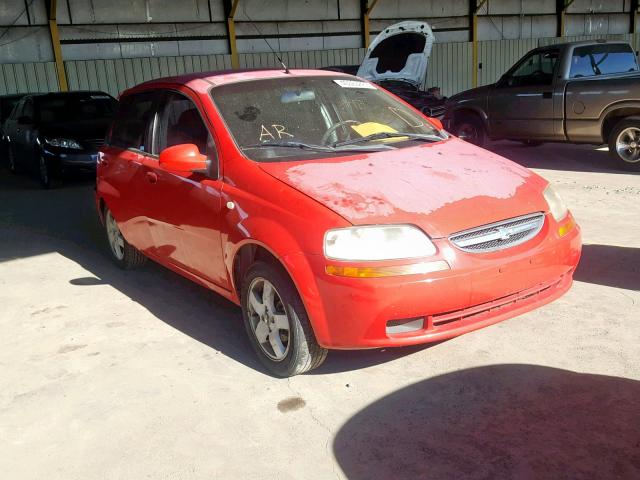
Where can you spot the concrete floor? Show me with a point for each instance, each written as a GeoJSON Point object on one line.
{"type": "Point", "coordinates": [107, 374]}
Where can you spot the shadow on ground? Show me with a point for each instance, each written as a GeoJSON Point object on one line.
{"type": "Point", "coordinates": [610, 265]}
{"type": "Point", "coordinates": [35, 221]}
{"type": "Point", "coordinates": [501, 421]}
{"type": "Point", "coordinates": [559, 156]}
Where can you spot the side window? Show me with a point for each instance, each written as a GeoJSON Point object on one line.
{"type": "Point", "coordinates": [131, 121]}
{"type": "Point", "coordinates": [179, 123]}
{"type": "Point", "coordinates": [536, 69]}
{"type": "Point", "coordinates": [602, 60]}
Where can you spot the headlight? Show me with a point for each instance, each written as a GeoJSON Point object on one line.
{"type": "Point", "coordinates": [556, 206]}
{"type": "Point", "coordinates": [63, 143]}
{"type": "Point", "coordinates": [390, 242]}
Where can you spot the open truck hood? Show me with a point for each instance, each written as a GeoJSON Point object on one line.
{"type": "Point", "coordinates": [399, 52]}
{"type": "Point", "coordinates": [443, 187]}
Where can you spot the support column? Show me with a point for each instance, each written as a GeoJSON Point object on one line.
{"type": "Point", "coordinates": [230, 8]}
{"type": "Point", "coordinates": [561, 13]}
{"type": "Point", "coordinates": [55, 44]}
{"type": "Point", "coordinates": [366, 8]}
{"type": "Point", "coordinates": [474, 8]}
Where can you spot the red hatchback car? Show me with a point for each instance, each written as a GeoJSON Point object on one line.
{"type": "Point", "coordinates": [336, 215]}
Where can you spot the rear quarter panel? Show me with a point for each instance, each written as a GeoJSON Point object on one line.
{"type": "Point", "coordinates": [589, 101]}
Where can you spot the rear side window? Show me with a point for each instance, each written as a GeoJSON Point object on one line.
{"type": "Point", "coordinates": [606, 59]}
{"type": "Point", "coordinates": [132, 121]}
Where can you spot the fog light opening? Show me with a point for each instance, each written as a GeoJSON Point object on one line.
{"type": "Point", "coordinates": [405, 325]}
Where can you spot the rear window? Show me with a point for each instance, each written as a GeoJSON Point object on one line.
{"type": "Point", "coordinates": [606, 59]}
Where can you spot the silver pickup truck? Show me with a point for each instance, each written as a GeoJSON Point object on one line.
{"type": "Point", "coordinates": [581, 92]}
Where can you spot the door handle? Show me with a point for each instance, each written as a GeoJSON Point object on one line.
{"type": "Point", "coordinates": [152, 177]}
{"type": "Point", "coordinates": [547, 94]}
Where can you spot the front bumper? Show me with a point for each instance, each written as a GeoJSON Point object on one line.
{"type": "Point", "coordinates": [478, 290]}
{"type": "Point", "coordinates": [83, 161]}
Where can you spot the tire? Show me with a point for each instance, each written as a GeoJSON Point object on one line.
{"type": "Point", "coordinates": [13, 166]}
{"type": "Point", "coordinates": [624, 144]}
{"type": "Point", "coordinates": [471, 129]}
{"type": "Point", "coordinates": [49, 176]}
{"type": "Point", "coordinates": [123, 254]}
{"type": "Point", "coordinates": [296, 350]}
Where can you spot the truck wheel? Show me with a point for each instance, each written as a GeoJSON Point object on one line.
{"type": "Point", "coordinates": [125, 255]}
{"type": "Point", "coordinates": [624, 144]}
{"type": "Point", "coordinates": [471, 129]}
{"type": "Point", "coordinates": [277, 323]}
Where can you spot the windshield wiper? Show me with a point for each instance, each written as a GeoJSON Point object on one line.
{"type": "Point", "coordinates": [382, 135]}
{"type": "Point", "coordinates": [317, 148]}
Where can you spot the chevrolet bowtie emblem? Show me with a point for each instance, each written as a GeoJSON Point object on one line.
{"type": "Point", "coordinates": [504, 233]}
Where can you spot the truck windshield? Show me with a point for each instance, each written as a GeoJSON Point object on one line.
{"type": "Point", "coordinates": [605, 59]}
{"type": "Point", "coordinates": [317, 116]}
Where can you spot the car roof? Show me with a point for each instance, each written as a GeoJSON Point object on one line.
{"type": "Point", "coordinates": [583, 43]}
{"type": "Point", "coordinates": [202, 81]}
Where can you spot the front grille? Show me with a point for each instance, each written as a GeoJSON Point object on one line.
{"type": "Point", "coordinates": [434, 112]}
{"type": "Point", "coordinates": [476, 312]}
{"type": "Point", "coordinates": [95, 143]}
{"type": "Point", "coordinates": [499, 235]}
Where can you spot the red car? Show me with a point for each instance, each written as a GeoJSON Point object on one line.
{"type": "Point", "coordinates": [335, 214]}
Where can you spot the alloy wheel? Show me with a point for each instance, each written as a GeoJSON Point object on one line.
{"type": "Point", "coordinates": [628, 145]}
{"type": "Point", "coordinates": [116, 240]}
{"type": "Point", "coordinates": [269, 319]}
{"type": "Point", "coordinates": [468, 132]}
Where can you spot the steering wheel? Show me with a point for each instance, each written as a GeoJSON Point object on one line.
{"type": "Point", "coordinates": [333, 128]}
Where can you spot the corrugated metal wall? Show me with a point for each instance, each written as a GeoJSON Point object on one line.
{"type": "Point", "coordinates": [450, 66]}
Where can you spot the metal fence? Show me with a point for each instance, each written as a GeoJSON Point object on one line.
{"type": "Point", "coordinates": [450, 66]}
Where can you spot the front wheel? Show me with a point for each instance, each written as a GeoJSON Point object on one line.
{"type": "Point", "coordinates": [624, 144]}
{"type": "Point", "coordinates": [125, 255]}
{"type": "Point", "coordinates": [49, 176]}
{"type": "Point", "coordinates": [277, 323]}
{"type": "Point", "coordinates": [13, 166]}
{"type": "Point", "coordinates": [471, 129]}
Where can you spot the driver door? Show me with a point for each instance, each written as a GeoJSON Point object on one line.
{"type": "Point", "coordinates": [521, 104]}
{"type": "Point", "coordinates": [185, 210]}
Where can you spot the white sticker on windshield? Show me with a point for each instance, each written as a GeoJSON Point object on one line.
{"type": "Point", "coordinates": [354, 84]}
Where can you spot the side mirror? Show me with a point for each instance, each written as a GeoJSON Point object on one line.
{"type": "Point", "coordinates": [184, 158]}
{"type": "Point", "coordinates": [436, 122]}
{"type": "Point", "coordinates": [24, 120]}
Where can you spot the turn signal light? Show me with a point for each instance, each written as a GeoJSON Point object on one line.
{"type": "Point", "coordinates": [389, 271]}
{"type": "Point", "coordinates": [567, 226]}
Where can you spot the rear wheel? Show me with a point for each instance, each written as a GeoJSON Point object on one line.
{"type": "Point", "coordinates": [624, 144]}
{"type": "Point", "coordinates": [277, 323]}
{"type": "Point", "coordinates": [471, 129]}
{"type": "Point", "coordinates": [126, 256]}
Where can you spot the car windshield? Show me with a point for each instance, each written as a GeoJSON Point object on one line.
{"type": "Point", "coordinates": [309, 117]}
{"type": "Point", "coordinates": [75, 108]}
{"type": "Point", "coordinates": [6, 106]}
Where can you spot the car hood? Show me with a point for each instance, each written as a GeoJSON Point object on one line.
{"type": "Point", "coordinates": [96, 128]}
{"type": "Point", "coordinates": [471, 94]}
{"type": "Point", "coordinates": [443, 187]}
{"type": "Point", "coordinates": [399, 52]}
